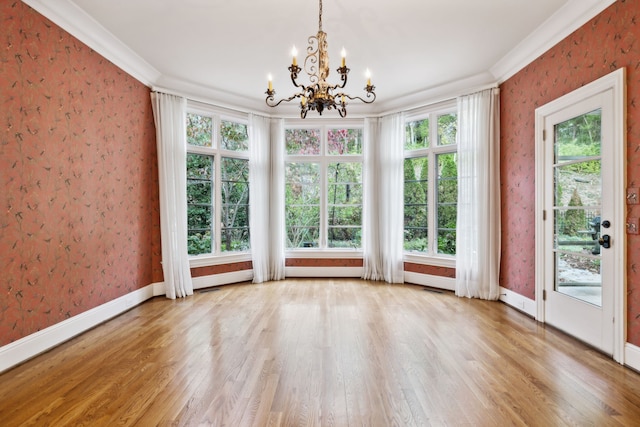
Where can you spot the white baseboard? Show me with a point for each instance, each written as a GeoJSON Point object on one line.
{"type": "Point", "coordinates": [323, 271]}
{"type": "Point", "coordinates": [222, 279]}
{"type": "Point", "coordinates": [519, 302]}
{"type": "Point", "coordinates": [440, 282]}
{"type": "Point", "coordinates": [32, 345]}
{"type": "Point", "coordinates": [632, 356]}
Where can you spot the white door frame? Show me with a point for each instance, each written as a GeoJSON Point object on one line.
{"type": "Point", "coordinates": [617, 82]}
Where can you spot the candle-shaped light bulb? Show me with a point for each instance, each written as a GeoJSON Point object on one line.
{"type": "Point", "coordinates": [303, 101]}
{"type": "Point", "coordinates": [270, 82]}
{"type": "Point", "coordinates": [294, 53]}
{"type": "Point", "coordinates": [368, 75]}
{"type": "Point", "coordinates": [344, 57]}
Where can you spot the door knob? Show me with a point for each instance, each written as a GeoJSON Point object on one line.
{"type": "Point", "coordinates": [605, 241]}
{"type": "Point", "coordinates": [606, 224]}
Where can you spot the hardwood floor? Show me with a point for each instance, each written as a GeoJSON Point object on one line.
{"type": "Point", "coordinates": [321, 352]}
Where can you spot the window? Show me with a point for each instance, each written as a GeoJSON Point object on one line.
{"type": "Point", "coordinates": [217, 185]}
{"type": "Point", "coordinates": [323, 187]}
{"type": "Point", "coordinates": [431, 184]}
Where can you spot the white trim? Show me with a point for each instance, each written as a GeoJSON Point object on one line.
{"type": "Point", "coordinates": [67, 15]}
{"type": "Point", "coordinates": [32, 345]}
{"type": "Point", "coordinates": [211, 96]}
{"type": "Point", "coordinates": [209, 260]}
{"type": "Point", "coordinates": [632, 356]}
{"type": "Point", "coordinates": [440, 282]}
{"type": "Point", "coordinates": [615, 81]}
{"type": "Point", "coordinates": [539, 228]}
{"type": "Point", "coordinates": [434, 95]}
{"type": "Point", "coordinates": [324, 254]}
{"type": "Point", "coordinates": [159, 289]}
{"type": "Point", "coordinates": [222, 279]}
{"type": "Point", "coordinates": [74, 20]}
{"type": "Point", "coordinates": [519, 302]}
{"type": "Point", "coordinates": [559, 26]}
{"type": "Point", "coordinates": [323, 271]}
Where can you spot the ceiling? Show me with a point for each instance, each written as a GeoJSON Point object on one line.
{"type": "Point", "coordinates": [222, 50]}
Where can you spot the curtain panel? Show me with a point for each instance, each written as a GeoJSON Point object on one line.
{"type": "Point", "coordinates": [266, 220]}
{"type": "Point", "coordinates": [383, 210]}
{"type": "Point", "coordinates": [478, 221]}
{"type": "Point", "coordinates": [169, 113]}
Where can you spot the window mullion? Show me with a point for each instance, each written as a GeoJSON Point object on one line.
{"type": "Point", "coordinates": [324, 206]}
{"type": "Point", "coordinates": [433, 186]}
{"type": "Point", "coordinates": [218, 186]}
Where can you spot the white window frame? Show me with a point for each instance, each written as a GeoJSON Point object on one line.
{"type": "Point", "coordinates": [218, 115]}
{"type": "Point", "coordinates": [431, 257]}
{"type": "Point", "coordinates": [324, 160]}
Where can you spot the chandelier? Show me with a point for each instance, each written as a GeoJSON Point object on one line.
{"type": "Point", "coordinates": [319, 95]}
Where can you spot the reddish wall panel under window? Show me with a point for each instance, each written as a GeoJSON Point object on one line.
{"type": "Point", "coordinates": [430, 269]}
{"type": "Point", "coordinates": [222, 268]}
{"type": "Point", "coordinates": [323, 262]}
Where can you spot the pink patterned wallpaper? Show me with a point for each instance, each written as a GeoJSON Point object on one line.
{"type": "Point", "coordinates": [79, 210]}
{"type": "Point", "coordinates": [609, 41]}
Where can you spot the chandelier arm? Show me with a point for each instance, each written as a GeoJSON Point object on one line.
{"type": "Point", "coordinates": [294, 70]}
{"type": "Point", "coordinates": [371, 96]}
{"type": "Point", "coordinates": [342, 110]}
{"type": "Point", "coordinates": [271, 101]}
{"type": "Point", "coordinates": [343, 71]}
{"type": "Point", "coordinates": [293, 80]}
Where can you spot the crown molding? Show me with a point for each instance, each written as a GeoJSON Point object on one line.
{"type": "Point", "coordinates": [570, 17]}
{"type": "Point", "coordinates": [436, 94]}
{"type": "Point", "coordinates": [68, 16]}
{"type": "Point", "coordinates": [209, 95]}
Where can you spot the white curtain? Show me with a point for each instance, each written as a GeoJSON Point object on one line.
{"type": "Point", "coordinates": [276, 211]}
{"type": "Point", "coordinates": [383, 200]}
{"type": "Point", "coordinates": [478, 224]}
{"type": "Point", "coordinates": [265, 186]}
{"type": "Point", "coordinates": [169, 114]}
{"type": "Point", "coordinates": [370, 237]}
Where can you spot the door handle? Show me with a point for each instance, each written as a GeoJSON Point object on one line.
{"type": "Point", "coordinates": [605, 241]}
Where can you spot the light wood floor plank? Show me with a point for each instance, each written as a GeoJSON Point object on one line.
{"type": "Point", "coordinates": [321, 352]}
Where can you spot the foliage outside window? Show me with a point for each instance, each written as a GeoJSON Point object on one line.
{"type": "Point", "coordinates": [217, 185]}
{"type": "Point", "coordinates": [323, 187]}
{"type": "Point", "coordinates": [447, 203]}
{"type": "Point", "coordinates": [430, 193]}
{"type": "Point", "coordinates": [577, 176]}
{"type": "Point", "coordinates": [200, 201]}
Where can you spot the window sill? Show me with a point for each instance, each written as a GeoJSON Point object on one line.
{"type": "Point", "coordinates": [324, 253]}
{"type": "Point", "coordinates": [436, 261]}
{"type": "Point", "coordinates": [209, 260]}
